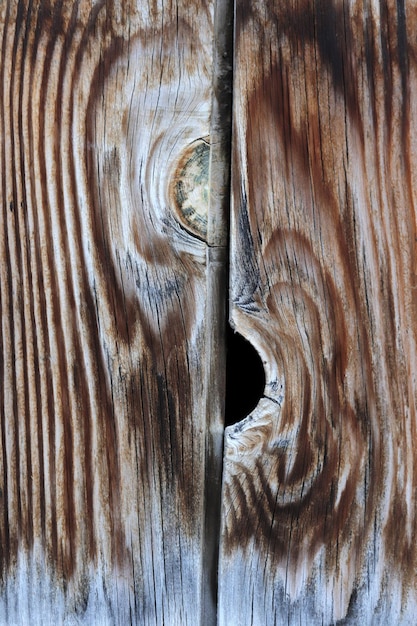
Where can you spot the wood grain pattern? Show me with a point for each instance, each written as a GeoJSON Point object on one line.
{"type": "Point", "coordinates": [320, 480]}
{"type": "Point", "coordinates": [103, 299]}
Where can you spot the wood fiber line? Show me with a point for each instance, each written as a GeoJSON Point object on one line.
{"type": "Point", "coordinates": [103, 298]}
{"type": "Point", "coordinates": [320, 479]}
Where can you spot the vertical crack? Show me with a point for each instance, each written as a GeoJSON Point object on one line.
{"type": "Point", "coordinates": [217, 296]}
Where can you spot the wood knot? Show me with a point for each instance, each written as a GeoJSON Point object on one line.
{"type": "Point", "coordinates": [189, 187]}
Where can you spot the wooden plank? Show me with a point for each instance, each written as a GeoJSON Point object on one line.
{"type": "Point", "coordinates": [319, 519]}
{"type": "Point", "coordinates": [104, 152]}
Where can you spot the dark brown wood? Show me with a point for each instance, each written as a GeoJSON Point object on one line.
{"type": "Point", "coordinates": [103, 296]}
{"type": "Point", "coordinates": [319, 520]}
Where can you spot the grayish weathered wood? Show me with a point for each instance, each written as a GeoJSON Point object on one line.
{"type": "Point", "coordinates": [320, 481]}
{"type": "Point", "coordinates": [104, 116]}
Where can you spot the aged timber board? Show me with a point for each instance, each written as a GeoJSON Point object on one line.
{"type": "Point", "coordinates": [319, 495]}
{"type": "Point", "coordinates": [103, 300]}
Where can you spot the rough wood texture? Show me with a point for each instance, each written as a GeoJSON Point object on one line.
{"type": "Point", "coordinates": [319, 505]}
{"type": "Point", "coordinates": [103, 299]}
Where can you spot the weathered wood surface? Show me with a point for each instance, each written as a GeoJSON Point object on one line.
{"type": "Point", "coordinates": [319, 504]}
{"type": "Point", "coordinates": [103, 299]}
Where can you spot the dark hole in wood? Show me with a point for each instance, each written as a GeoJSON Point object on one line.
{"type": "Point", "coordinates": [245, 377]}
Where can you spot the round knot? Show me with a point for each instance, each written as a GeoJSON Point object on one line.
{"type": "Point", "coordinates": [189, 188]}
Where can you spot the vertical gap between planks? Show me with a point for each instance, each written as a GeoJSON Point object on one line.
{"type": "Point", "coordinates": [217, 298]}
